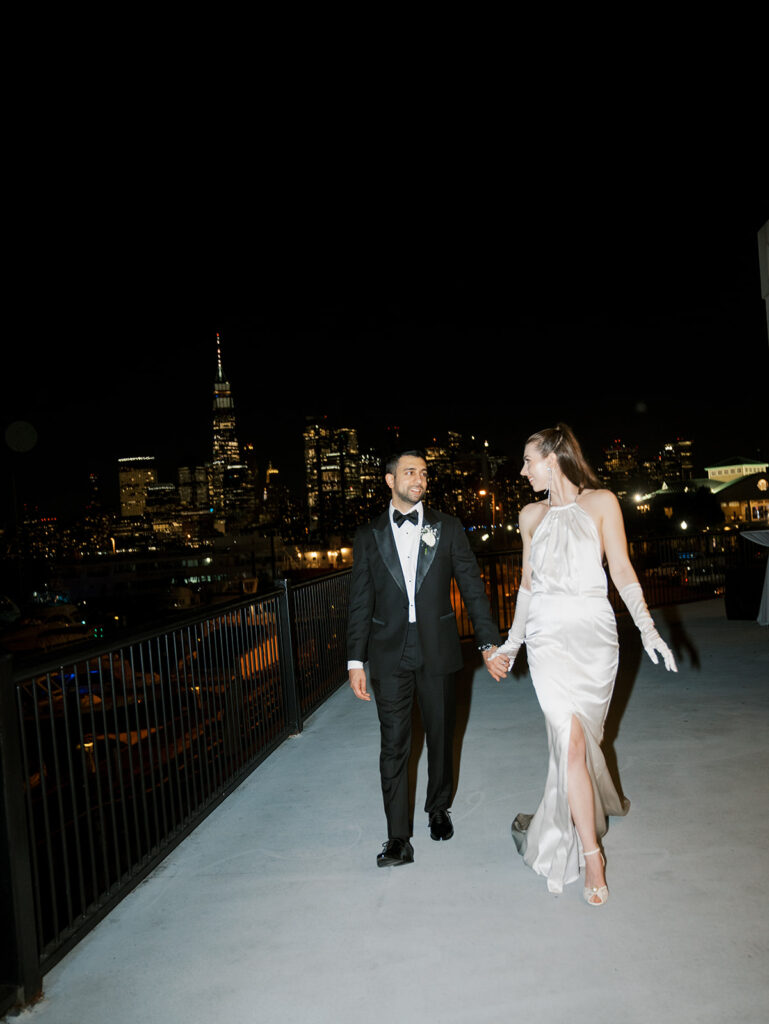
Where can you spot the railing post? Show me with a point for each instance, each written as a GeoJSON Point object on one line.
{"type": "Point", "coordinates": [288, 658]}
{"type": "Point", "coordinates": [21, 979]}
{"type": "Point", "coordinates": [494, 589]}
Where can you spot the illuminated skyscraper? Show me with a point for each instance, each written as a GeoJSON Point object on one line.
{"type": "Point", "coordinates": [193, 488]}
{"type": "Point", "coordinates": [620, 465]}
{"type": "Point", "coordinates": [135, 476]}
{"type": "Point", "coordinates": [333, 476]}
{"type": "Point", "coordinates": [677, 459]}
{"type": "Point", "coordinates": [230, 487]}
{"type": "Point", "coordinates": [271, 482]}
{"type": "Point", "coordinates": [226, 447]}
{"type": "Point", "coordinates": [372, 485]}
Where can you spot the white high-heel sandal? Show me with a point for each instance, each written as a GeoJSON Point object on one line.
{"type": "Point", "coordinates": [601, 891]}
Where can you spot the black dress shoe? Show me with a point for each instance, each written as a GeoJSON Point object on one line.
{"type": "Point", "coordinates": [440, 825]}
{"type": "Point", "coordinates": [395, 852]}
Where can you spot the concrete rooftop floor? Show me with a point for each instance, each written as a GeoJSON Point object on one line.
{"type": "Point", "coordinates": [273, 910]}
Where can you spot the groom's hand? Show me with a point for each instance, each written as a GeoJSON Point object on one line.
{"type": "Point", "coordinates": [358, 683]}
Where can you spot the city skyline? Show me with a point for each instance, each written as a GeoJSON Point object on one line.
{"type": "Point", "coordinates": [646, 336]}
{"type": "Point", "coordinates": [374, 439]}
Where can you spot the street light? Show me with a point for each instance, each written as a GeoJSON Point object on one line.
{"type": "Point", "coordinates": [484, 494]}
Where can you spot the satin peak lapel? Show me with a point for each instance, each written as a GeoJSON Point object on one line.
{"type": "Point", "coordinates": [383, 535]}
{"type": "Point", "coordinates": [430, 525]}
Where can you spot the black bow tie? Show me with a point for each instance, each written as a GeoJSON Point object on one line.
{"type": "Point", "coordinates": [399, 517]}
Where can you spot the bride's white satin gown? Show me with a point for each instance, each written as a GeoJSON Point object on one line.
{"type": "Point", "coordinates": [571, 643]}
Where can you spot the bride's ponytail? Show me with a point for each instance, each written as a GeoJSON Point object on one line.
{"type": "Point", "coordinates": [561, 441]}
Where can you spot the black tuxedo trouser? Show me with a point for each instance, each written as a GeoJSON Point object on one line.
{"type": "Point", "coordinates": [394, 695]}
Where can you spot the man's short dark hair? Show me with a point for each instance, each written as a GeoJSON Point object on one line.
{"type": "Point", "coordinates": [392, 463]}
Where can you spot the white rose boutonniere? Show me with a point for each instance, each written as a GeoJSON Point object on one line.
{"type": "Point", "coordinates": [429, 536]}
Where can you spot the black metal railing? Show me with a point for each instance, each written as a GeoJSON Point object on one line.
{"type": "Point", "coordinates": [111, 756]}
{"type": "Point", "coordinates": [671, 571]}
{"type": "Point", "coordinates": [680, 569]}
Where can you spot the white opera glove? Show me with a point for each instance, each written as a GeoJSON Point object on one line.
{"type": "Point", "coordinates": [633, 597]}
{"type": "Point", "coordinates": [517, 633]}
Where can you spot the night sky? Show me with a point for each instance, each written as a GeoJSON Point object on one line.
{"type": "Point", "coordinates": [626, 313]}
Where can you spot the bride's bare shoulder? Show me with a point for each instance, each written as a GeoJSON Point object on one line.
{"type": "Point", "coordinates": [531, 515]}
{"type": "Point", "coordinates": [599, 498]}
{"type": "Point", "coordinates": [602, 505]}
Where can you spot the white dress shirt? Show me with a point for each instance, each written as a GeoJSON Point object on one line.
{"type": "Point", "coordinates": [407, 542]}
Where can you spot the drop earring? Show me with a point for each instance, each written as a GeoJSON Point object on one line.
{"type": "Point", "coordinates": [549, 486]}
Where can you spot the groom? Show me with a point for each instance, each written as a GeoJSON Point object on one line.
{"type": "Point", "coordinates": [401, 621]}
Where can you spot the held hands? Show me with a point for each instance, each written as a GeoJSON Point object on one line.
{"type": "Point", "coordinates": [497, 663]}
{"type": "Point", "coordinates": [358, 683]}
{"type": "Point", "coordinates": [501, 659]}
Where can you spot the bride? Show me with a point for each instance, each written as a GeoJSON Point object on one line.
{"type": "Point", "coordinates": [564, 617]}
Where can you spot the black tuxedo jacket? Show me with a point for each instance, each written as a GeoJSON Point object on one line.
{"type": "Point", "coordinates": [379, 604]}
